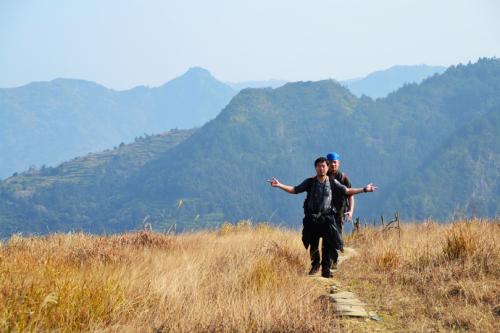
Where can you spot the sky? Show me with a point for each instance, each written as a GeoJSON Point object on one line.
{"type": "Point", "coordinates": [122, 44]}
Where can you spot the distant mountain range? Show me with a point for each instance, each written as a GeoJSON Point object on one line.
{"type": "Point", "coordinates": [432, 148]}
{"type": "Point", "coordinates": [45, 123]}
{"type": "Point", "coordinates": [49, 122]}
{"type": "Point", "coordinates": [380, 83]}
{"type": "Point", "coordinates": [375, 85]}
{"type": "Point", "coordinates": [257, 84]}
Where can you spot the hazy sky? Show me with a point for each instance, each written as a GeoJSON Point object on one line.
{"type": "Point", "coordinates": [126, 43]}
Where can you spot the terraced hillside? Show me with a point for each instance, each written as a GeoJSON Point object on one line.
{"type": "Point", "coordinates": [96, 175]}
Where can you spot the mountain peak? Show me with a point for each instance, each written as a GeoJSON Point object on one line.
{"type": "Point", "coordinates": [193, 74]}
{"type": "Point", "coordinates": [198, 71]}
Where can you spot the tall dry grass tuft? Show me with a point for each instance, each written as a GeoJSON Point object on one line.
{"type": "Point", "coordinates": [461, 242]}
{"type": "Point", "coordinates": [240, 278]}
{"type": "Point", "coordinates": [434, 278]}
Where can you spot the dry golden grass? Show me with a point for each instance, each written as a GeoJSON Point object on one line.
{"type": "Point", "coordinates": [434, 278]}
{"type": "Point", "coordinates": [240, 278]}
{"type": "Point", "coordinates": [249, 278]}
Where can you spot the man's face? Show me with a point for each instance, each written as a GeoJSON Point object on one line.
{"type": "Point", "coordinates": [334, 165]}
{"type": "Point", "coordinates": [321, 169]}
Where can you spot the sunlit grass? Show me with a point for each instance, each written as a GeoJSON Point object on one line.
{"type": "Point", "coordinates": [239, 278]}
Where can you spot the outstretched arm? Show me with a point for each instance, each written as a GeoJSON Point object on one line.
{"type": "Point", "coordinates": [368, 188]}
{"type": "Point", "coordinates": [275, 183]}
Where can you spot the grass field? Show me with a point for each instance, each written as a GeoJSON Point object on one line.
{"type": "Point", "coordinates": [248, 278]}
{"type": "Point", "coordinates": [434, 278]}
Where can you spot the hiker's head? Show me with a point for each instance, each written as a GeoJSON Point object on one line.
{"type": "Point", "coordinates": [321, 165]}
{"type": "Point", "coordinates": [333, 161]}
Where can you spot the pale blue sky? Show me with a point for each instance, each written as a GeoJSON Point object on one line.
{"type": "Point", "coordinates": [122, 44]}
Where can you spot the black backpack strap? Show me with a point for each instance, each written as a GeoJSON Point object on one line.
{"type": "Point", "coordinates": [309, 197]}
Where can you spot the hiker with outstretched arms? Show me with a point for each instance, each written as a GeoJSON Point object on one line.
{"type": "Point", "coordinates": [319, 219]}
{"type": "Point", "coordinates": [344, 204]}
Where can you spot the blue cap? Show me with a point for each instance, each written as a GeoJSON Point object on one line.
{"type": "Point", "coordinates": [333, 156]}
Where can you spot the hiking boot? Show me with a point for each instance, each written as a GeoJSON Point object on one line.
{"type": "Point", "coordinates": [333, 265]}
{"type": "Point", "coordinates": [314, 269]}
{"type": "Point", "coordinates": [326, 273]}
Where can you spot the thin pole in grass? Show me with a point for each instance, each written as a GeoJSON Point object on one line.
{"type": "Point", "coordinates": [399, 225]}
{"type": "Point", "coordinates": [146, 226]}
{"type": "Point", "coordinates": [172, 227]}
{"type": "Point", "coordinates": [356, 225]}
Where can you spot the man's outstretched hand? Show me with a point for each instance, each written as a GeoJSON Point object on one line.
{"type": "Point", "coordinates": [274, 182]}
{"type": "Point", "coordinates": [370, 188]}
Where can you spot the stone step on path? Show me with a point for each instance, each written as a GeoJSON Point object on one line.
{"type": "Point", "coordinates": [345, 303]}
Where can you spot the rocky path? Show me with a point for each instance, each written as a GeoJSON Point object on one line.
{"type": "Point", "coordinates": [345, 303]}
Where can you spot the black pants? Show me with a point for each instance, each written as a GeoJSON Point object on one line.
{"type": "Point", "coordinates": [322, 226]}
{"type": "Point", "coordinates": [339, 221]}
{"type": "Point", "coordinates": [339, 224]}
{"type": "Point", "coordinates": [326, 253]}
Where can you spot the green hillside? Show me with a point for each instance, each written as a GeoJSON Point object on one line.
{"type": "Point", "coordinates": [417, 145]}
{"type": "Point", "coordinates": [279, 132]}
{"type": "Point", "coordinates": [462, 177]}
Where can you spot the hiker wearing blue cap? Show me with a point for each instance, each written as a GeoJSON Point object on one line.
{"type": "Point", "coordinates": [344, 205]}
{"type": "Point", "coordinates": [319, 220]}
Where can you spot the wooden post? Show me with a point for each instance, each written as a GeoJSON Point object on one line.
{"type": "Point", "coordinates": [356, 225]}
{"type": "Point", "coordinates": [382, 219]}
{"type": "Point", "coordinates": [399, 226]}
